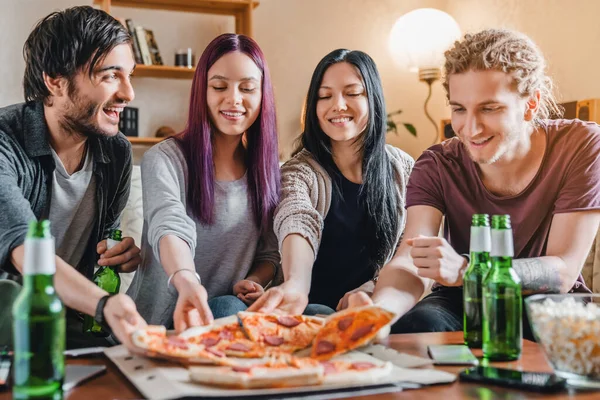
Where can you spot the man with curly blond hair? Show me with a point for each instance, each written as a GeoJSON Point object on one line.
{"type": "Point", "coordinates": [507, 158]}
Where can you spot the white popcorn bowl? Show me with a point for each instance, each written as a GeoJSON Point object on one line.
{"type": "Point", "coordinates": [567, 327]}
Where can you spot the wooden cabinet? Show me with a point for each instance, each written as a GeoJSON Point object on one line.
{"type": "Point", "coordinates": [241, 10]}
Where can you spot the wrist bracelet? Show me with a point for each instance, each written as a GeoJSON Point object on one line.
{"type": "Point", "coordinates": [179, 270]}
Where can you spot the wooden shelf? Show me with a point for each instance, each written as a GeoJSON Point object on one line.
{"type": "Point", "coordinates": [163, 71]}
{"type": "Point", "coordinates": [146, 141]}
{"type": "Point", "coordinates": [240, 9]}
{"type": "Point", "coordinates": [223, 7]}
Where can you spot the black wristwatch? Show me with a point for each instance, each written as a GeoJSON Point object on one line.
{"type": "Point", "coordinates": [99, 316]}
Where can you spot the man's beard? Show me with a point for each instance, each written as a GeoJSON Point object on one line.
{"type": "Point", "coordinates": [80, 118]}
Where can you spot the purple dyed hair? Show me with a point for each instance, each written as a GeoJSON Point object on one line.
{"type": "Point", "coordinates": [261, 138]}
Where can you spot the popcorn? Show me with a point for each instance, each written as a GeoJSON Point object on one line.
{"type": "Point", "coordinates": [569, 332]}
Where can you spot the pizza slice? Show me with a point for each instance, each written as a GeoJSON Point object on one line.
{"type": "Point", "coordinates": [348, 329]}
{"type": "Point", "coordinates": [354, 372]}
{"type": "Point", "coordinates": [276, 373]}
{"type": "Point", "coordinates": [284, 333]}
{"type": "Point", "coordinates": [224, 340]}
{"type": "Point", "coordinates": [156, 343]}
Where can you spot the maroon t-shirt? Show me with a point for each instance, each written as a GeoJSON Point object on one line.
{"type": "Point", "coordinates": [445, 177]}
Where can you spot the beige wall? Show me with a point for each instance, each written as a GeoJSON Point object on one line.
{"type": "Point", "coordinates": [296, 34]}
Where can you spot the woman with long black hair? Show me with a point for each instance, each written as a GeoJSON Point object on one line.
{"type": "Point", "coordinates": [341, 213]}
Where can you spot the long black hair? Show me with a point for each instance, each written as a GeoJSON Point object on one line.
{"type": "Point", "coordinates": [66, 42]}
{"type": "Point", "coordinates": [378, 187]}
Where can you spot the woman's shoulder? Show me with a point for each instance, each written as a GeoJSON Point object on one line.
{"type": "Point", "coordinates": [400, 158]}
{"type": "Point", "coordinates": [166, 151]}
{"type": "Point", "coordinates": [303, 164]}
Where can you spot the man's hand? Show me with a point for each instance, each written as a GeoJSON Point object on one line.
{"type": "Point", "coordinates": [125, 254]}
{"type": "Point", "coordinates": [283, 299]}
{"type": "Point", "coordinates": [437, 260]}
{"type": "Point", "coordinates": [367, 288]}
{"type": "Point", "coordinates": [192, 304]}
{"type": "Point", "coordinates": [121, 315]}
{"type": "Point", "coordinates": [248, 291]}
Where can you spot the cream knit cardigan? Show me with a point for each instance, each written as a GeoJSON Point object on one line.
{"type": "Point", "coordinates": [306, 196]}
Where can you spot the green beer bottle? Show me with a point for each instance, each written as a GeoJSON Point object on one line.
{"type": "Point", "coordinates": [481, 244]}
{"type": "Point", "coordinates": [106, 278]}
{"type": "Point", "coordinates": [502, 305]}
{"type": "Point", "coordinates": [38, 322]}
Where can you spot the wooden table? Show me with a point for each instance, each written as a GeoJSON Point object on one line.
{"type": "Point", "coordinates": [113, 385]}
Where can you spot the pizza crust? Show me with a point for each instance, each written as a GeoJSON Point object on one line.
{"type": "Point", "coordinates": [257, 377]}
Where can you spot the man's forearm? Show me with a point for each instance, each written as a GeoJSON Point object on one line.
{"type": "Point", "coordinates": [398, 289]}
{"type": "Point", "coordinates": [543, 275]}
{"type": "Point", "coordinates": [74, 289]}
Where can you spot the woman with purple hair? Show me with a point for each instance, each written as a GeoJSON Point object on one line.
{"type": "Point", "coordinates": [209, 193]}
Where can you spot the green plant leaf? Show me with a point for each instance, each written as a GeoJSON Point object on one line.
{"type": "Point", "coordinates": [391, 126]}
{"type": "Point", "coordinates": [411, 129]}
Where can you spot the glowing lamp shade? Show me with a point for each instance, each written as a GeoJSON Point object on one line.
{"type": "Point", "coordinates": [419, 39]}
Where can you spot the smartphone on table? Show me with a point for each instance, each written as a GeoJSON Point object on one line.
{"type": "Point", "coordinates": [451, 354]}
{"type": "Point", "coordinates": [535, 381]}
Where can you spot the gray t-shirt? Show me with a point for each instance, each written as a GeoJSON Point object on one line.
{"type": "Point", "coordinates": [72, 209]}
{"type": "Point", "coordinates": [223, 252]}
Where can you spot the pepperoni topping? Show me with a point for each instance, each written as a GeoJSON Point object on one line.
{"type": "Point", "coordinates": [329, 367]}
{"type": "Point", "coordinates": [240, 368]}
{"type": "Point", "coordinates": [287, 321]}
{"type": "Point", "coordinates": [361, 331]}
{"type": "Point", "coordinates": [273, 340]}
{"type": "Point", "coordinates": [210, 341]}
{"type": "Point", "coordinates": [362, 365]}
{"type": "Point", "coordinates": [345, 323]}
{"type": "Point", "coordinates": [238, 347]}
{"type": "Point", "coordinates": [177, 342]}
{"type": "Point", "coordinates": [324, 346]}
{"type": "Point", "coordinates": [226, 334]}
{"type": "Point", "coordinates": [215, 352]}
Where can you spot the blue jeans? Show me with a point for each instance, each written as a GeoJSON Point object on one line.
{"type": "Point", "coordinates": [442, 311]}
{"type": "Point", "coordinates": [318, 309]}
{"type": "Point", "coordinates": [224, 306]}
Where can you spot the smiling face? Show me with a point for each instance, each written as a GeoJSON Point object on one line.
{"type": "Point", "coordinates": [93, 104]}
{"type": "Point", "coordinates": [342, 108]}
{"type": "Point", "coordinates": [234, 93]}
{"type": "Point", "coordinates": [488, 114]}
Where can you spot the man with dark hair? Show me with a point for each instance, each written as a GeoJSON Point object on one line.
{"type": "Point", "coordinates": [62, 158]}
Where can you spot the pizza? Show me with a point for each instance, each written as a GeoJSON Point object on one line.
{"type": "Point", "coordinates": [283, 333]}
{"type": "Point", "coordinates": [277, 373]}
{"type": "Point", "coordinates": [348, 329]}
{"type": "Point", "coordinates": [156, 343]}
{"type": "Point", "coordinates": [224, 340]}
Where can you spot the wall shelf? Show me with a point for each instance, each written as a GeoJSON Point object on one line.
{"type": "Point", "coordinates": [145, 141]}
{"type": "Point", "coordinates": [240, 9]}
{"type": "Point", "coordinates": [163, 71]}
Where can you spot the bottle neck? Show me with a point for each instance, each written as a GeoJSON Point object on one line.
{"type": "Point", "coordinates": [480, 257]}
{"type": "Point", "coordinates": [39, 257]}
{"type": "Point", "coordinates": [39, 283]}
{"type": "Point", "coordinates": [502, 243]}
{"type": "Point", "coordinates": [480, 239]}
{"type": "Point", "coordinates": [502, 262]}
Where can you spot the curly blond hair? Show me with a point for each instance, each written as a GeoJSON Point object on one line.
{"type": "Point", "coordinates": [510, 52]}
